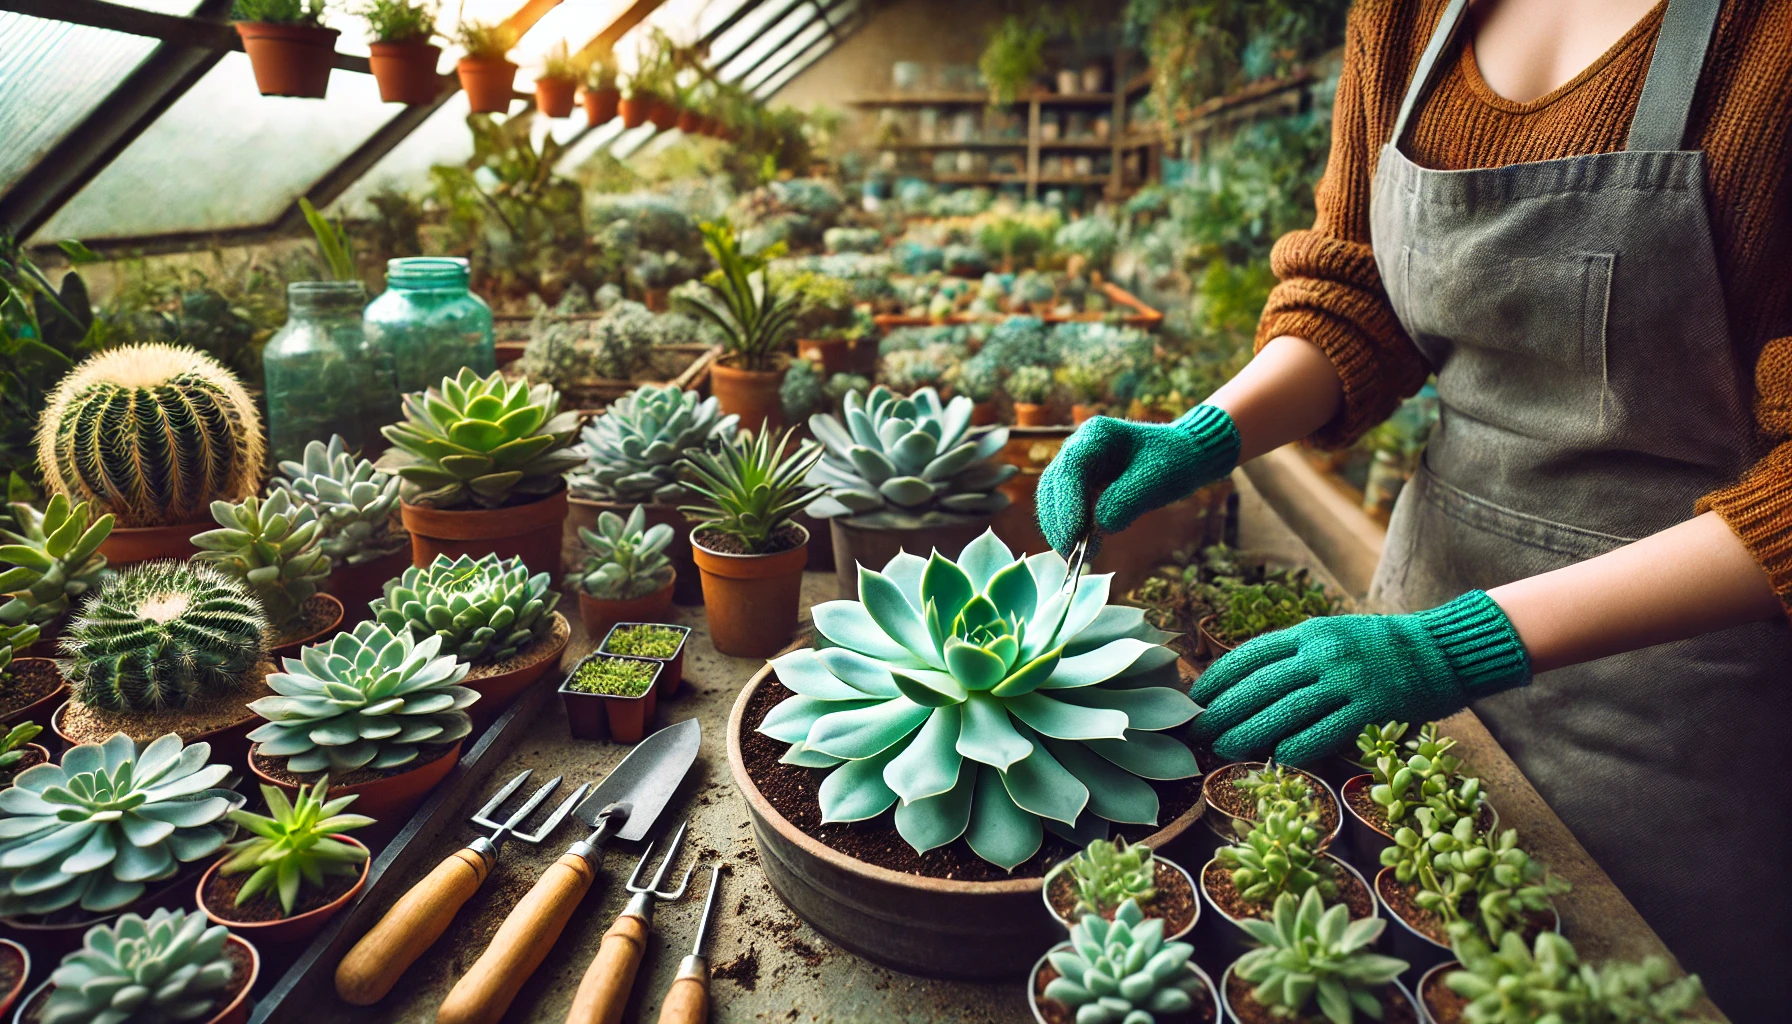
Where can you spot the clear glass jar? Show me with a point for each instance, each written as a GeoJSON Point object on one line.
{"type": "Point", "coordinates": [322, 375]}
{"type": "Point", "coordinates": [429, 323]}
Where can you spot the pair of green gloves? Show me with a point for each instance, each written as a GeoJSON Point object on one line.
{"type": "Point", "coordinates": [1308, 690]}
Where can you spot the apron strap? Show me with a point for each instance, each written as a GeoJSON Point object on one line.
{"type": "Point", "coordinates": [1666, 103]}
{"type": "Point", "coordinates": [1441, 37]}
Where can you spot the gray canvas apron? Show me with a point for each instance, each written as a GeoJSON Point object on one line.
{"type": "Point", "coordinates": [1573, 314]}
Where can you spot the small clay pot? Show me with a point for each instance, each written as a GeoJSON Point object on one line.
{"type": "Point", "coordinates": [45, 705]}
{"type": "Point", "coordinates": [355, 585]}
{"type": "Point", "coordinates": [1213, 996]}
{"type": "Point", "coordinates": [1220, 822]}
{"type": "Point", "coordinates": [750, 394]}
{"type": "Point", "coordinates": [1045, 893]}
{"type": "Point", "coordinates": [751, 600]}
{"type": "Point", "coordinates": [506, 352]}
{"type": "Point", "coordinates": [657, 300]}
{"type": "Point", "coordinates": [488, 83]}
{"type": "Point", "coordinates": [496, 692]}
{"type": "Point", "coordinates": [554, 97]}
{"type": "Point", "coordinates": [531, 532]}
{"type": "Point", "coordinates": [23, 957]}
{"type": "Point", "coordinates": [634, 109]}
{"type": "Point", "coordinates": [1027, 414]}
{"type": "Point", "coordinates": [1080, 413]}
{"type": "Point", "coordinates": [289, 648]}
{"type": "Point", "coordinates": [827, 353]}
{"type": "Point", "coordinates": [670, 679]}
{"type": "Point", "coordinates": [286, 930]}
{"type": "Point", "coordinates": [289, 60]}
{"type": "Point", "coordinates": [985, 414]}
{"type": "Point", "coordinates": [234, 1011]}
{"type": "Point", "coordinates": [599, 614]}
{"type": "Point", "coordinates": [600, 105]}
{"type": "Point", "coordinates": [394, 796]}
{"type": "Point", "coordinates": [687, 587]}
{"type": "Point", "coordinates": [1231, 1015]}
{"type": "Point", "coordinates": [126, 545]}
{"type": "Point", "coordinates": [662, 113]}
{"type": "Point", "coordinates": [406, 72]}
{"type": "Point", "coordinates": [1209, 645]}
{"type": "Point", "coordinates": [690, 122]}
{"type": "Point", "coordinates": [626, 718]}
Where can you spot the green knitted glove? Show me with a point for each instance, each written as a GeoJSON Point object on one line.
{"type": "Point", "coordinates": [1126, 469]}
{"type": "Point", "coordinates": [1308, 690]}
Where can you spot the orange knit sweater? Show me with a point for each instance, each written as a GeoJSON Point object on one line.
{"type": "Point", "coordinates": [1331, 294]}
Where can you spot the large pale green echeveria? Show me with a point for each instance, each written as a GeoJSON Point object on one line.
{"type": "Point", "coordinates": [982, 703]}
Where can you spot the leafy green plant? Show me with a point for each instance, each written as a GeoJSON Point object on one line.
{"type": "Point", "coordinates": [1308, 954]}
{"type": "Point", "coordinates": [294, 844]}
{"type": "Point", "coordinates": [353, 502]}
{"type": "Point", "coordinates": [1031, 385]}
{"type": "Point", "coordinates": [170, 966]}
{"type": "Point", "coordinates": [989, 704]}
{"type": "Point", "coordinates": [1379, 741]}
{"type": "Point", "coordinates": [601, 74]}
{"type": "Point", "coordinates": [272, 547]}
{"type": "Point", "coordinates": [16, 738]}
{"type": "Point", "coordinates": [1013, 57]}
{"type": "Point", "coordinates": [484, 610]}
{"type": "Point", "coordinates": [628, 558]}
{"type": "Point", "coordinates": [1122, 971]}
{"type": "Point", "coordinates": [1107, 874]}
{"type": "Point", "coordinates": [164, 635]}
{"type": "Point", "coordinates": [1278, 786]}
{"type": "Point", "coordinates": [12, 640]}
{"type": "Point", "coordinates": [1246, 610]}
{"type": "Point", "coordinates": [481, 441]}
{"type": "Point", "coordinates": [333, 246]}
{"type": "Point", "coordinates": [280, 12]}
{"type": "Point", "coordinates": [399, 21]}
{"type": "Point", "coordinates": [1279, 853]}
{"type": "Point", "coordinates": [45, 330]}
{"type": "Point", "coordinates": [485, 40]}
{"type": "Point", "coordinates": [614, 677]}
{"type": "Point", "coordinates": [1094, 238]}
{"type": "Point", "coordinates": [371, 698]}
{"type": "Point", "coordinates": [644, 641]}
{"type": "Point", "coordinates": [1512, 983]}
{"type": "Point", "coordinates": [559, 62]}
{"type": "Point", "coordinates": [158, 807]}
{"type": "Point", "coordinates": [1463, 874]}
{"type": "Point", "coordinates": [633, 451]}
{"type": "Point", "coordinates": [749, 487]}
{"type": "Point", "coordinates": [55, 560]}
{"type": "Point", "coordinates": [754, 318]}
{"type": "Point", "coordinates": [1429, 775]}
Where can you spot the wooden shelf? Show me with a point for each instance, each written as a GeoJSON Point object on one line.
{"type": "Point", "coordinates": [980, 179]}
{"type": "Point", "coordinates": [1099, 145]}
{"type": "Point", "coordinates": [927, 99]}
{"type": "Point", "coordinates": [975, 144]}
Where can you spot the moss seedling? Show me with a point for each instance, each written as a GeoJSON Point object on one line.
{"type": "Point", "coordinates": [644, 641]}
{"type": "Point", "coordinates": [614, 677]}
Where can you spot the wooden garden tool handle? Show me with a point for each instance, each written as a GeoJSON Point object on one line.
{"type": "Point", "coordinates": [604, 990]}
{"type": "Point", "coordinates": [687, 1001]}
{"type": "Point", "coordinates": [413, 924]}
{"type": "Point", "coordinates": [483, 993]}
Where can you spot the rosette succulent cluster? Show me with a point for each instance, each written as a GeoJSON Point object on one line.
{"type": "Point", "coordinates": [354, 502]}
{"type": "Point", "coordinates": [1108, 874]}
{"type": "Point", "coordinates": [272, 547]}
{"type": "Point", "coordinates": [908, 460]}
{"type": "Point", "coordinates": [481, 441]}
{"type": "Point", "coordinates": [95, 830]}
{"type": "Point", "coordinates": [170, 966]}
{"type": "Point", "coordinates": [978, 701]}
{"type": "Point", "coordinates": [1308, 953]}
{"type": "Point", "coordinates": [54, 560]}
{"type": "Point", "coordinates": [632, 451]}
{"type": "Point", "coordinates": [484, 609]}
{"type": "Point", "coordinates": [628, 559]}
{"type": "Point", "coordinates": [1122, 971]}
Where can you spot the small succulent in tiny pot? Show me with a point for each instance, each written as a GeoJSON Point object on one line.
{"type": "Point", "coordinates": [170, 966]}
{"type": "Point", "coordinates": [627, 576]}
{"type": "Point", "coordinates": [1123, 971]}
{"type": "Point", "coordinates": [401, 55]}
{"type": "Point", "coordinates": [290, 50]}
{"type": "Point", "coordinates": [619, 691]}
{"type": "Point", "coordinates": [17, 752]}
{"type": "Point", "coordinates": [272, 547]}
{"type": "Point", "coordinates": [1309, 957]}
{"type": "Point", "coordinates": [355, 504]}
{"type": "Point", "coordinates": [297, 845]}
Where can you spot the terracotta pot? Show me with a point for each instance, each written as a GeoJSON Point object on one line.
{"type": "Point", "coordinates": [1225, 982]}
{"type": "Point", "coordinates": [589, 715]}
{"type": "Point", "coordinates": [1079, 413]}
{"type": "Point", "coordinates": [821, 542]}
{"type": "Point", "coordinates": [289, 60]}
{"type": "Point", "coordinates": [356, 585]}
{"type": "Point", "coordinates": [507, 352]}
{"type": "Point", "coordinates": [496, 692]}
{"type": "Point", "coordinates": [634, 109]}
{"type": "Point", "coordinates": [984, 414]}
{"type": "Point", "coordinates": [286, 930]}
{"type": "Point", "coordinates": [690, 122]}
{"type": "Point", "coordinates": [531, 532]}
{"type": "Point", "coordinates": [554, 96]}
{"type": "Point", "coordinates": [290, 649]}
{"type": "Point", "coordinates": [669, 680]}
{"type": "Point", "coordinates": [600, 105]}
{"type": "Point", "coordinates": [657, 300]}
{"type": "Point", "coordinates": [1221, 822]}
{"type": "Point", "coordinates": [599, 614]}
{"type": "Point", "coordinates": [406, 72]}
{"type": "Point", "coordinates": [751, 600]}
{"type": "Point", "coordinates": [488, 83]}
{"type": "Point", "coordinates": [857, 544]}
{"type": "Point", "coordinates": [235, 1011]}
{"type": "Point", "coordinates": [1213, 994]}
{"type": "Point", "coordinates": [11, 995]}
{"type": "Point", "coordinates": [934, 927]}
{"type": "Point", "coordinates": [663, 114]}
{"type": "Point", "coordinates": [750, 394]}
{"type": "Point", "coordinates": [830, 354]}
{"type": "Point", "coordinates": [45, 705]}
{"type": "Point", "coordinates": [129, 544]}
{"type": "Point", "coordinates": [230, 744]}
{"type": "Point", "coordinates": [1026, 414]}
{"type": "Point", "coordinates": [687, 587]}
{"type": "Point", "coordinates": [1209, 645]}
{"type": "Point", "coordinates": [395, 796]}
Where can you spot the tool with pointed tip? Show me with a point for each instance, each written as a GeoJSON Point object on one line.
{"type": "Point", "coordinates": [421, 915]}
{"type": "Point", "coordinates": [687, 1001]}
{"type": "Point", "coordinates": [1073, 569]}
{"type": "Point", "coordinates": [623, 806]}
{"type": "Point", "coordinates": [604, 991]}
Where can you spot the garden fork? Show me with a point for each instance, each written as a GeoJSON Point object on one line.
{"type": "Point", "coordinates": [604, 991]}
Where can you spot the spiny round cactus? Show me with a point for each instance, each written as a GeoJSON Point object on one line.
{"type": "Point", "coordinates": [164, 634]}
{"type": "Point", "coordinates": [151, 433]}
{"type": "Point", "coordinates": [168, 967]}
{"type": "Point", "coordinates": [95, 829]}
{"type": "Point", "coordinates": [368, 698]}
{"type": "Point", "coordinates": [354, 502]}
{"type": "Point", "coordinates": [55, 559]}
{"type": "Point", "coordinates": [632, 450]}
{"type": "Point", "coordinates": [1122, 971]}
{"type": "Point", "coordinates": [272, 547]}
{"type": "Point", "coordinates": [481, 441]}
{"type": "Point", "coordinates": [484, 610]}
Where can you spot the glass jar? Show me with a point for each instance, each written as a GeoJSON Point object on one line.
{"type": "Point", "coordinates": [429, 324]}
{"type": "Point", "coordinates": [322, 375]}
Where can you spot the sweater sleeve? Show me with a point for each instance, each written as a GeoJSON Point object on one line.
{"type": "Point", "coordinates": [1758, 507]}
{"type": "Point", "coordinates": [1330, 292]}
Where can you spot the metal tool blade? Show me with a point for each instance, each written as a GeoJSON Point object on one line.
{"type": "Point", "coordinates": [641, 785]}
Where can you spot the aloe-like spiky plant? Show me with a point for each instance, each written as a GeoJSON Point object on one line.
{"type": "Point", "coordinates": [152, 434]}
{"type": "Point", "coordinates": [749, 487]}
{"type": "Point", "coordinates": [484, 609]}
{"type": "Point", "coordinates": [12, 640]}
{"type": "Point", "coordinates": [55, 560]}
{"type": "Point", "coordinates": [1122, 971]}
{"type": "Point", "coordinates": [164, 634]}
{"type": "Point", "coordinates": [908, 461]}
{"type": "Point", "coordinates": [632, 451]}
{"type": "Point", "coordinates": [1310, 954]}
{"type": "Point", "coordinates": [628, 559]}
{"type": "Point", "coordinates": [272, 547]}
{"type": "Point", "coordinates": [170, 966]}
{"type": "Point", "coordinates": [354, 502]}
{"type": "Point", "coordinates": [743, 302]}
{"type": "Point", "coordinates": [980, 702]}
{"type": "Point", "coordinates": [481, 442]}
{"type": "Point", "coordinates": [108, 820]}
{"type": "Point", "coordinates": [293, 845]}
{"type": "Point", "coordinates": [370, 698]}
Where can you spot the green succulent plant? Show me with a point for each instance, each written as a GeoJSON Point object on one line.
{"type": "Point", "coordinates": [354, 502]}
{"type": "Point", "coordinates": [1107, 874]}
{"type": "Point", "coordinates": [980, 702]}
{"type": "Point", "coordinates": [1379, 741]}
{"type": "Point", "coordinates": [1512, 983]}
{"type": "Point", "coordinates": [908, 461]}
{"type": "Point", "coordinates": [162, 635]}
{"type": "Point", "coordinates": [628, 559]}
{"type": "Point", "coordinates": [371, 698]}
{"type": "Point", "coordinates": [96, 829]}
{"type": "Point", "coordinates": [481, 441]}
{"type": "Point", "coordinates": [749, 487]}
{"type": "Point", "coordinates": [754, 317]}
{"type": "Point", "coordinates": [633, 450]}
{"type": "Point", "coordinates": [1428, 775]}
{"type": "Point", "coordinates": [1278, 787]}
{"type": "Point", "coordinates": [14, 639]}
{"type": "Point", "coordinates": [55, 560]}
{"type": "Point", "coordinates": [644, 641]}
{"type": "Point", "coordinates": [1029, 384]}
{"type": "Point", "coordinates": [1279, 853]}
{"type": "Point", "coordinates": [15, 739]}
{"type": "Point", "coordinates": [1246, 610]}
{"type": "Point", "coordinates": [152, 434]}
{"type": "Point", "coordinates": [614, 677]}
{"type": "Point", "coordinates": [1309, 954]}
{"type": "Point", "coordinates": [170, 966]}
{"type": "Point", "coordinates": [292, 846]}
{"type": "Point", "coordinates": [272, 547]}
{"type": "Point", "coordinates": [1463, 873]}
{"type": "Point", "coordinates": [484, 609]}
{"type": "Point", "coordinates": [1122, 971]}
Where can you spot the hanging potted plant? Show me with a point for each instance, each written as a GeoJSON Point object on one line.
{"type": "Point", "coordinates": [627, 576]}
{"type": "Point", "coordinates": [185, 970]}
{"type": "Point", "coordinates": [486, 73]}
{"type": "Point", "coordinates": [755, 320]}
{"type": "Point", "coordinates": [1030, 388]}
{"type": "Point", "coordinates": [401, 55]}
{"type": "Point", "coordinates": [1165, 985]}
{"type": "Point", "coordinates": [1013, 58]}
{"type": "Point", "coordinates": [558, 85]}
{"type": "Point", "coordinates": [1425, 775]}
{"type": "Point", "coordinates": [1312, 962]}
{"type": "Point", "coordinates": [607, 691]}
{"type": "Point", "coordinates": [600, 95]}
{"type": "Point", "coordinates": [271, 547]}
{"type": "Point", "coordinates": [356, 507]}
{"type": "Point", "coordinates": [751, 556]}
{"type": "Point", "coordinates": [1105, 875]}
{"type": "Point", "coordinates": [905, 474]}
{"type": "Point", "coordinates": [294, 872]}
{"type": "Point", "coordinates": [636, 103]}
{"type": "Point", "coordinates": [18, 753]}
{"type": "Point", "coordinates": [289, 48]}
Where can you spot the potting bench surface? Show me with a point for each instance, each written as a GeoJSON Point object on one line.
{"type": "Point", "coordinates": [770, 966]}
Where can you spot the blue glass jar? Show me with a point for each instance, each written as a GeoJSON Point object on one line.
{"type": "Point", "coordinates": [429, 323]}
{"type": "Point", "coordinates": [321, 374]}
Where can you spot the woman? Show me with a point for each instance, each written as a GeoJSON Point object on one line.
{"type": "Point", "coordinates": [1575, 214]}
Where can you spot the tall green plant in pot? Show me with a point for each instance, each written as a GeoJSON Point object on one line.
{"type": "Point", "coordinates": [755, 319]}
{"type": "Point", "coordinates": [290, 49]}
{"type": "Point", "coordinates": [402, 56]}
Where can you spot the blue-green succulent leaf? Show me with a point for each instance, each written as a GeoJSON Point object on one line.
{"type": "Point", "coordinates": [983, 558]}
{"type": "Point", "coordinates": [801, 671]}
{"type": "Point", "coordinates": [947, 586]}
{"type": "Point", "coordinates": [856, 791]}
{"type": "Point", "coordinates": [934, 821]}
{"type": "Point", "coordinates": [1000, 831]}
{"type": "Point", "coordinates": [1097, 666]}
{"type": "Point", "coordinates": [866, 674]}
{"type": "Point", "coordinates": [974, 667]}
{"type": "Point", "coordinates": [928, 688]}
{"type": "Point", "coordinates": [1153, 709]}
{"type": "Point", "coordinates": [862, 732]}
{"type": "Point", "coordinates": [898, 619]}
{"type": "Point", "coordinates": [1114, 793]}
{"type": "Point", "coordinates": [1038, 783]}
{"type": "Point", "coordinates": [1064, 721]}
{"type": "Point", "coordinates": [1150, 755]}
{"type": "Point", "coordinates": [930, 764]}
{"type": "Point", "coordinates": [988, 735]}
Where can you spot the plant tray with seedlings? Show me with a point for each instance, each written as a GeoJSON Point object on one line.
{"type": "Point", "coordinates": [685, 366]}
{"type": "Point", "coordinates": [1131, 311]}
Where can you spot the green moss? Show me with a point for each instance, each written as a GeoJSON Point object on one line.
{"type": "Point", "coordinates": [644, 641]}
{"type": "Point", "coordinates": [614, 677]}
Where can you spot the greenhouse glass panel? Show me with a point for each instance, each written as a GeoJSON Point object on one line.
{"type": "Point", "coordinates": [775, 63]}
{"type": "Point", "coordinates": [52, 75]}
{"type": "Point", "coordinates": [769, 88]}
{"type": "Point", "coordinates": [749, 28]}
{"type": "Point", "coordinates": [223, 156]}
